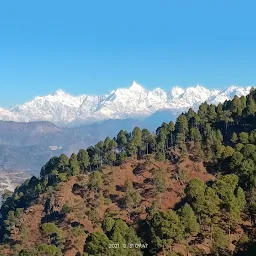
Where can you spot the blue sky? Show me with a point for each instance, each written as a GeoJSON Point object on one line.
{"type": "Point", "coordinates": [96, 46]}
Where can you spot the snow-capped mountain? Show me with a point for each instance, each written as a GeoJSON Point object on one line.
{"type": "Point", "coordinates": [135, 101]}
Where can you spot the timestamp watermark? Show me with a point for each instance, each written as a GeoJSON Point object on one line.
{"type": "Point", "coordinates": [128, 246]}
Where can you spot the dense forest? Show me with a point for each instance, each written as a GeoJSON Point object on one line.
{"type": "Point", "coordinates": [189, 188]}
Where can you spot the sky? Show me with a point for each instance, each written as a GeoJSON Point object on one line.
{"type": "Point", "coordinates": [93, 47]}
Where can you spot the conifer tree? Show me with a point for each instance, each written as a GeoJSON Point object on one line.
{"type": "Point", "coordinates": [83, 159]}
{"type": "Point", "coordinates": [181, 126]}
{"type": "Point", "coordinates": [189, 220]}
{"type": "Point", "coordinates": [74, 165]}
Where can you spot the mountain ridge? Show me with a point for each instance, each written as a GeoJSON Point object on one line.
{"type": "Point", "coordinates": [188, 188]}
{"type": "Point", "coordinates": [64, 109]}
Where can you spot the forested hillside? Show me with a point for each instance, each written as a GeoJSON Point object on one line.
{"type": "Point", "coordinates": [187, 189]}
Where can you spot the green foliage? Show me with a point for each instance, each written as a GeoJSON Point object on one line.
{"type": "Point", "coordinates": [50, 228]}
{"type": "Point", "coordinates": [166, 228]}
{"type": "Point", "coordinates": [77, 231]}
{"type": "Point", "coordinates": [98, 244]}
{"type": "Point", "coordinates": [63, 177]}
{"type": "Point", "coordinates": [227, 152]}
{"type": "Point", "coordinates": [189, 220]}
{"type": "Point", "coordinates": [74, 165]}
{"type": "Point", "coordinates": [220, 240]}
{"type": "Point", "coordinates": [28, 252]}
{"type": "Point", "coordinates": [195, 189]}
{"type": "Point", "coordinates": [47, 169]}
{"type": "Point", "coordinates": [49, 250]}
{"type": "Point", "coordinates": [83, 160]}
{"type": "Point", "coordinates": [244, 137]}
{"type": "Point", "coordinates": [122, 140]}
{"type": "Point", "coordinates": [6, 194]}
{"type": "Point", "coordinates": [121, 158]}
{"type": "Point", "coordinates": [181, 125]}
{"type": "Point", "coordinates": [107, 224]}
{"type": "Point", "coordinates": [236, 160]}
{"type": "Point", "coordinates": [132, 197]}
{"type": "Point", "coordinates": [66, 209]}
{"type": "Point", "coordinates": [160, 156]}
{"type": "Point", "coordinates": [117, 234]}
{"type": "Point", "coordinates": [195, 134]}
{"type": "Point", "coordinates": [239, 146]}
{"type": "Point", "coordinates": [128, 186]}
{"type": "Point", "coordinates": [221, 136]}
{"type": "Point", "coordinates": [174, 254]}
{"type": "Point", "coordinates": [95, 181]}
{"type": "Point", "coordinates": [232, 195]}
{"type": "Point", "coordinates": [234, 138]}
{"type": "Point", "coordinates": [63, 162]}
{"type": "Point", "coordinates": [159, 180]}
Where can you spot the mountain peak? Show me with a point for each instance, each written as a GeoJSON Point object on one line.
{"type": "Point", "coordinates": [134, 101]}
{"type": "Point", "coordinates": [136, 87]}
{"type": "Point", "coordinates": [176, 91]}
{"type": "Point", "coordinates": [59, 92]}
{"type": "Point", "coordinates": [200, 87]}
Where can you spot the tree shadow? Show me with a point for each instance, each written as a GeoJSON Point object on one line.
{"type": "Point", "coordinates": [148, 192]}
{"type": "Point", "coordinates": [251, 250]}
{"type": "Point", "coordinates": [53, 217]}
{"type": "Point", "coordinates": [78, 190]}
{"type": "Point", "coordinates": [211, 168]}
{"type": "Point", "coordinates": [117, 200]}
{"type": "Point", "coordinates": [76, 224]}
{"type": "Point", "coordinates": [119, 188]}
{"type": "Point", "coordinates": [137, 185]}
{"type": "Point", "coordinates": [181, 203]}
{"type": "Point", "coordinates": [138, 170]}
{"type": "Point", "coordinates": [148, 181]}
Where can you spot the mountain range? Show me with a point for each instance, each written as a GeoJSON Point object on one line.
{"type": "Point", "coordinates": [134, 102]}
{"type": "Point", "coordinates": [30, 134]}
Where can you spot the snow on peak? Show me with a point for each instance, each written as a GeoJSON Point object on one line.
{"type": "Point", "coordinates": [59, 92]}
{"type": "Point", "coordinates": [198, 90]}
{"type": "Point", "coordinates": [201, 88]}
{"type": "Point", "coordinates": [136, 87]}
{"type": "Point", "coordinates": [159, 92]}
{"type": "Point", "coordinates": [229, 93]}
{"type": "Point", "coordinates": [176, 92]}
{"type": "Point", "coordinates": [64, 109]}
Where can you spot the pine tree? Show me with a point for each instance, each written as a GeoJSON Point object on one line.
{"type": "Point", "coordinates": [202, 113]}
{"type": "Point", "coordinates": [166, 228]}
{"type": "Point", "coordinates": [98, 244]}
{"type": "Point", "coordinates": [83, 159]}
{"type": "Point", "coordinates": [236, 107]}
{"type": "Point", "coordinates": [171, 129]}
{"type": "Point", "coordinates": [63, 162]}
{"type": "Point", "coordinates": [211, 115]}
{"type": "Point", "coordinates": [137, 137]}
{"type": "Point", "coordinates": [95, 181]}
{"type": "Point", "coordinates": [189, 220]}
{"type": "Point", "coordinates": [234, 137]}
{"type": "Point", "coordinates": [121, 140]}
{"type": "Point", "coordinates": [107, 224]}
{"type": "Point", "coordinates": [181, 126]}
{"type": "Point", "coordinates": [145, 140]}
{"type": "Point", "coordinates": [236, 160]}
{"type": "Point", "coordinates": [195, 135]}
{"type": "Point", "coordinates": [74, 165]}
{"type": "Point", "coordinates": [244, 137]}
{"type": "Point", "coordinates": [250, 106]}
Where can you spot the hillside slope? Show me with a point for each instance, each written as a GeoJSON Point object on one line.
{"type": "Point", "coordinates": [187, 189]}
